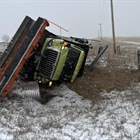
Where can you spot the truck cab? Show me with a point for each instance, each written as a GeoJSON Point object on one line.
{"type": "Point", "coordinates": [60, 61]}
{"type": "Point", "coordinates": [55, 60]}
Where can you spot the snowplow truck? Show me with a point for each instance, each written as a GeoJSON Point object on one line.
{"type": "Point", "coordinates": [36, 54]}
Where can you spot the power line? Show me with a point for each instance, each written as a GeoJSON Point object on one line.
{"type": "Point", "coordinates": [103, 8]}
{"type": "Point", "coordinates": [102, 13]}
{"type": "Point", "coordinates": [105, 11]}
{"type": "Point", "coordinates": [99, 12]}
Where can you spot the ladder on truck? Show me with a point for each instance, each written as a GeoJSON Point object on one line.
{"type": "Point", "coordinates": [18, 51]}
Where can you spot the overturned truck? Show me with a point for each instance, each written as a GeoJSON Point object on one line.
{"type": "Point", "coordinates": [35, 54]}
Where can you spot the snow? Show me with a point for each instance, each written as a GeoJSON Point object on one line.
{"type": "Point", "coordinates": [131, 42]}
{"type": "Point", "coordinates": [68, 116]}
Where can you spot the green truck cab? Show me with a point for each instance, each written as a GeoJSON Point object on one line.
{"type": "Point", "coordinates": [60, 61]}
{"type": "Point", "coordinates": [56, 59]}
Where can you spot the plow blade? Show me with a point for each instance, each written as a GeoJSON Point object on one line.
{"type": "Point", "coordinates": [101, 52]}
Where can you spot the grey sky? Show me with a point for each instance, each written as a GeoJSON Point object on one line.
{"type": "Point", "coordinates": [80, 17]}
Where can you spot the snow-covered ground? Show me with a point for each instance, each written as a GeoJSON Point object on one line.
{"type": "Point", "coordinates": [69, 116]}
{"type": "Point", "coordinates": [131, 42]}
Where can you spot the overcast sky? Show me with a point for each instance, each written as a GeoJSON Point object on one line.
{"type": "Point", "coordinates": [80, 17]}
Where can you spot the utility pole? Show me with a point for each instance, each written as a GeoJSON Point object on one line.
{"type": "Point", "coordinates": [101, 29]}
{"type": "Point", "coordinates": [113, 28]}
{"type": "Point", "coordinates": [98, 33]}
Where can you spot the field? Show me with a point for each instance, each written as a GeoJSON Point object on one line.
{"type": "Point", "coordinates": [103, 104]}
{"type": "Point", "coordinates": [113, 70]}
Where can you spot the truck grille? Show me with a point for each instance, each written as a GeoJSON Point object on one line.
{"type": "Point", "coordinates": [48, 62]}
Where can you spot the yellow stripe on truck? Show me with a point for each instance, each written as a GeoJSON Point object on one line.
{"type": "Point", "coordinates": [78, 66]}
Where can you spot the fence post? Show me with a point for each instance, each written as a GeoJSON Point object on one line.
{"type": "Point", "coordinates": [118, 50]}
{"type": "Point", "coordinates": [138, 54]}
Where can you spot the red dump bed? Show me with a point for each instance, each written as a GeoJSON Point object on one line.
{"type": "Point", "coordinates": [18, 51]}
